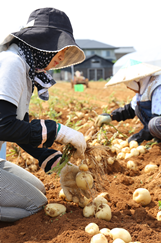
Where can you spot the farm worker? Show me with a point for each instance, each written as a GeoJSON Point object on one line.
{"type": "Point", "coordinates": [45, 43]}
{"type": "Point", "coordinates": [146, 104]}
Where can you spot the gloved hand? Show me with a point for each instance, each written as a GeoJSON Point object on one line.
{"type": "Point", "coordinates": [68, 135]}
{"type": "Point", "coordinates": [103, 119]}
{"type": "Point", "coordinates": [68, 184]}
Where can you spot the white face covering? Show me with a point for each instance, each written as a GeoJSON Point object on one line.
{"type": "Point", "coordinates": [132, 85]}
{"type": "Point", "coordinates": [138, 86]}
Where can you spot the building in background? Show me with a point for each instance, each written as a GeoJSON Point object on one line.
{"type": "Point", "coordinates": [99, 61]}
{"type": "Point", "coordinates": [122, 51]}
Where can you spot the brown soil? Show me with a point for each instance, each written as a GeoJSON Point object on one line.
{"type": "Point", "coordinates": [118, 181]}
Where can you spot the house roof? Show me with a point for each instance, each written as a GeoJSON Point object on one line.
{"type": "Point", "coordinates": [125, 49]}
{"type": "Point", "coordinates": [92, 44]}
{"type": "Point", "coordinates": [95, 55]}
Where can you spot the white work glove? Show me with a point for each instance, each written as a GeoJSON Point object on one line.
{"type": "Point", "coordinates": [68, 135]}
{"type": "Point", "coordinates": [103, 119]}
{"type": "Point", "coordinates": [68, 184]}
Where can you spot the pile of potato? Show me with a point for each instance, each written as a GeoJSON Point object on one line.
{"type": "Point", "coordinates": [119, 235]}
{"type": "Point", "coordinates": [125, 150]}
{"type": "Point", "coordinates": [99, 208]}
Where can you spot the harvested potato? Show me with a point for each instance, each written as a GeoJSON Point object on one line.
{"type": "Point", "coordinates": [84, 180]}
{"type": "Point", "coordinates": [92, 229]}
{"type": "Point", "coordinates": [141, 149]}
{"type": "Point", "coordinates": [133, 144]}
{"type": "Point", "coordinates": [121, 234]}
{"type": "Point", "coordinates": [99, 238]}
{"type": "Point", "coordinates": [113, 149]}
{"type": "Point", "coordinates": [83, 167]}
{"type": "Point", "coordinates": [142, 196]}
{"type": "Point", "coordinates": [54, 209]}
{"type": "Point", "coordinates": [105, 195]}
{"type": "Point", "coordinates": [62, 195]}
{"type": "Point", "coordinates": [118, 241]}
{"type": "Point", "coordinates": [128, 155]}
{"type": "Point", "coordinates": [84, 202]}
{"type": "Point", "coordinates": [115, 141]}
{"type": "Point", "coordinates": [159, 216]}
{"type": "Point", "coordinates": [131, 165]}
{"type": "Point", "coordinates": [126, 150]}
{"type": "Point", "coordinates": [121, 155]}
{"type": "Point", "coordinates": [103, 211]}
{"type": "Point", "coordinates": [89, 210]}
{"type": "Point", "coordinates": [134, 152]}
{"type": "Point", "coordinates": [99, 200]}
{"type": "Point", "coordinates": [105, 231]}
{"type": "Point", "coordinates": [111, 160]}
{"type": "Point", "coordinates": [150, 168]}
{"type": "Point", "coordinates": [124, 144]}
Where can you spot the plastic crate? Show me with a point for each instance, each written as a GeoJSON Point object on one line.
{"type": "Point", "coordinates": [79, 87]}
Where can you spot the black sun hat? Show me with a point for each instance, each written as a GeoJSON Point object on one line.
{"type": "Point", "coordinates": [49, 29]}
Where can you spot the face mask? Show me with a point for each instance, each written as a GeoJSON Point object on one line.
{"type": "Point", "coordinates": [132, 85]}
{"type": "Point", "coordinates": [139, 86]}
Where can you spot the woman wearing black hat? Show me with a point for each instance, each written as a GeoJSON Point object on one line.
{"type": "Point", "coordinates": [45, 43]}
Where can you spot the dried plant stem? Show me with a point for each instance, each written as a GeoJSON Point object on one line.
{"type": "Point", "coordinates": [111, 125]}
{"type": "Point", "coordinates": [67, 153]}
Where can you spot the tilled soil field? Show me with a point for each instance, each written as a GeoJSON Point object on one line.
{"type": "Point", "coordinates": [79, 110]}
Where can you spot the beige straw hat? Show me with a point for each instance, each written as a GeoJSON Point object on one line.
{"type": "Point", "coordinates": [133, 70]}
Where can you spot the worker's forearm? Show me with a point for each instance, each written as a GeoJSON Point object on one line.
{"type": "Point", "coordinates": [23, 132]}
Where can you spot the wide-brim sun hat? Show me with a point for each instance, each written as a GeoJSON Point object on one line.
{"type": "Point", "coordinates": [49, 29]}
{"type": "Point", "coordinates": [132, 71]}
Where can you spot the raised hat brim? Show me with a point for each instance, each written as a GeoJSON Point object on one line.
{"type": "Point", "coordinates": [51, 40]}
{"type": "Point", "coordinates": [131, 73]}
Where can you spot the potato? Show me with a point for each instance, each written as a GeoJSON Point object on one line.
{"type": "Point", "coordinates": [121, 234]}
{"type": "Point", "coordinates": [128, 155]}
{"type": "Point", "coordinates": [83, 167]}
{"type": "Point", "coordinates": [150, 168]}
{"type": "Point", "coordinates": [92, 229]}
{"type": "Point", "coordinates": [111, 160]}
{"type": "Point", "coordinates": [87, 138]}
{"type": "Point", "coordinates": [118, 147]}
{"type": "Point", "coordinates": [159, 216]}
{"type": "Point", "coordinates": [113, 149]}
{"type": "Point", "coordinates": [105, 195]}
{"type": "Point", "coordinates": [121, 155]}
{"type": "Point", "coordinates": [105, 231]}
{"type": "Point", "coordinates": [89, 210]}
{"type": "Point", "coordinates": [134, 152]}
{"type": "Point", "coordinates": [98, 158]}
{"type": "Point", "coordinates": [54, 209]}
{"type": "Point", "coordinates": [79, 114]}
{"type": "Point", "coordinates": [115, 141]}
{"type": "Point", "coordinates": [98, 200]}
{"type": "Point", "coordinates": [62, 195]}
{"type": "Point", "coordinates": [84, 202]}
{"type": "Point", "coordinates": [124, 144]}
{"type": "Point", "coordinates": [141, 149]}
{"type": "Point", "coordinates": [118, 241]}
{"type": "Point", "coordinates": [99, 238]}
{"type": "Point", "coordinates": [126, 150]}
{"type": "Point", "coordinates": [142, 196]}
{"type": "Point", "coordinates": [84, 180]}
{"type": "Point", "coordinates": [103, 211]}
{"type": "Point", "coordinates": [133, 144]}
{"type": "Point", "coordinates": [131, 165]}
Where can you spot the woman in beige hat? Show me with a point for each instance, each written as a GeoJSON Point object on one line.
{"type": "Point", "coordinates": [146, 104]}
{"type": "Point", "coordinates": [45, 43]}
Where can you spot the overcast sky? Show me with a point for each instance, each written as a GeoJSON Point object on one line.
{"type": "Point", "coordinates": [134, 23]}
